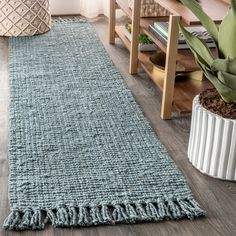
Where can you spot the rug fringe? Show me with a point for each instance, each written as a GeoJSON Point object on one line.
{"type": "Point", "coordinates": [70, 20]}
{"type": "Point", "coordinates": [72, 216]}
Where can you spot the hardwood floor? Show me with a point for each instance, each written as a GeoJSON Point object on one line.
{"type": "Point", "coordinates": [217, 197]}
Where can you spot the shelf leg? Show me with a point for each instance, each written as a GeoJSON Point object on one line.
{"type": "Point", "coordinates": [170, 70]}
{"type": "Point", "coordinates": [135, 37]}
{"type": "Point", "coordinates": [112, 21]}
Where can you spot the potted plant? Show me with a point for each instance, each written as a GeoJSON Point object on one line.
{"type": "Point", "coordinates": [145, 43]}
{"type": "Point", "coordinates": [212, 144]}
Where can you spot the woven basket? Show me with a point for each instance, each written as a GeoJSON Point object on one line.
{"type": "Point", "coordinates": [150, 8]}
{"type": "Point", "coordinates": [24, 17]}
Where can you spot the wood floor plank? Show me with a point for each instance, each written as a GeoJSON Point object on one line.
{"type": "Point", "coordinates": [217, 197]}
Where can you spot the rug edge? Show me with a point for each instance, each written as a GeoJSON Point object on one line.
{"type": "Point", "coordinates": [132, 212]}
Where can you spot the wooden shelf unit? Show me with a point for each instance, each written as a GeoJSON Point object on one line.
{"type": "Point", "coordinates": [185, 89]}
{"type": "Point", "coordinates": [177, 94]}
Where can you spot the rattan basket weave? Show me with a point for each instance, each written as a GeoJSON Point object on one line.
{"type": "Point", "coordinates": [24, 17]}
{"type": "Point", "coordinates": [150, 8]}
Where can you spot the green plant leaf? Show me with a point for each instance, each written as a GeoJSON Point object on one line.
{"type": "Point", "coordinates": [206, 21]}
{"type": "Point", "coordinates": [227, 33]}
{"type": "Point", "coordinates": [198, 47]}
{"type": "Point", "coordinates": [227, 65]}
{"type": "Point", "coordinates": [227, 93]}
{"type": "Point", "coordinates": [228, 79]}
{"type": "Point", "coordinates": [144, 39]}
{"type": "Point", "coordinates": [224, 83]}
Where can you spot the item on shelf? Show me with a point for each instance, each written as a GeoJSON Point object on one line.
{"type": "Point", "coordinates": [198, 31]}
{"type": "Point", "coordinates": [150, 8]}
{"type": "Point", "coordinates": [163, 39]}
{"type": "Point", "coordinates": [160, 31]}
{"type": "Point", "coordinates": [24, 17]}
{"type": "Point", "coordinates": [158, 60]}
{"type": "Point", "coordinates": [145, 43]}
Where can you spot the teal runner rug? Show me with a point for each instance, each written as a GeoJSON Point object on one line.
{"type": "Point", "coordinates": [81, 152]}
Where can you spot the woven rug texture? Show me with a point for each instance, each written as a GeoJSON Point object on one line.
{"type": "Point", "coordinates": [81, 152]}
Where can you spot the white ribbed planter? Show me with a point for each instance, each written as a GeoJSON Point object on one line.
{"type": "Point", "coordinates": [212, 143]}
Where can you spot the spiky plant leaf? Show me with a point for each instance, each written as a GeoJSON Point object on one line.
{"type": "Point", "coordinates": [230, 91]}
{"type": "Point", "coordinates": [198, 46]}
{"type": "Point", "coordinates": [227, 33]}
{"type": "Point", "coordinates": [227, 94]}
{"type": "Point", "coordinates": [227, 79]}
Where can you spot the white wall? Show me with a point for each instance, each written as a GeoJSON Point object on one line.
{"type": "Point", "coordinates": [88, 8]}
{"type": "Point", "coordinates": [64, 7]}
{"type": "Point", "coordinates": [73, 7]}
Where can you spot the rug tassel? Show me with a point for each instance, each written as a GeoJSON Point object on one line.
{"type": "Point", "coordinates": [26, 220]}
{"type": "Point", "coordinates": [66, 20]}
{"type": "Point", "coordinates": [36, 220]}
{"type": "Point", "coordinates": [52, 217]}
{"type": "Point", "coordinates": [175, 210]}
{"type": "Point", "coordinates": [73, 216]}
{"type": "Point", "coordinates": [62, 217]}
{"type": "Point", "coordinates": [12, 221]}
{"type": "Point", "coordinates": [84, 219]}
{"type": "Point", "coordinates": [142, 212]}
{"type": "Point", "coordinates": [119, 214]}
{"type": "Point", "coordinates": [152, 211]}
{"type": "Point", "coordinates": [133, 216]}
{"type": "Point", "coordinates": [106, 215]}
{"type": "Point", "coordinates": [197, 209]}
{"type": "Point", "coordinates": [190, 209]}
{"type": "Point", "coordinates": [96, 216]}
{"type": "Point", "coordinates": [163, 209]}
